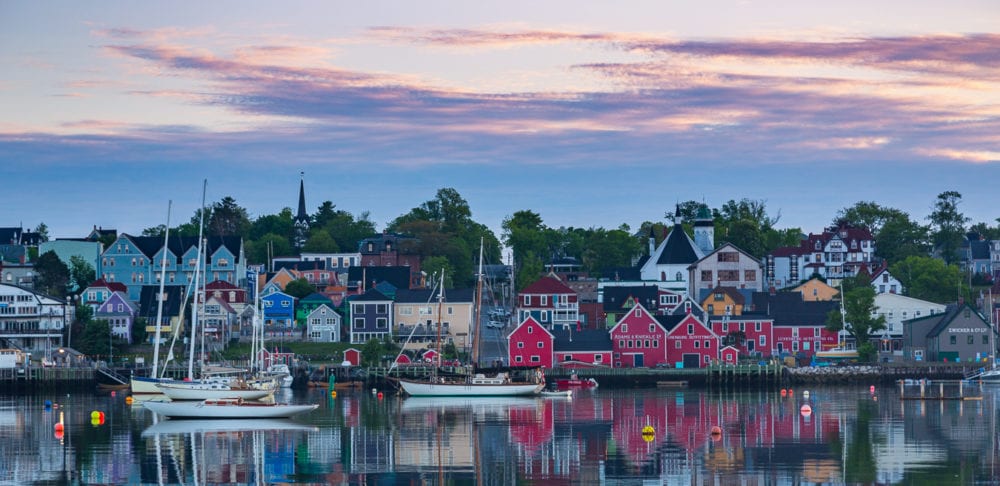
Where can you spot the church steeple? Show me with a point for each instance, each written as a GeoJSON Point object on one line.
{"type": "Point", "coordinates": [301, 218]}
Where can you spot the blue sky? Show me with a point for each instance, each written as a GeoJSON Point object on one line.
{"type": "Point", "coordinates": [589, 113]}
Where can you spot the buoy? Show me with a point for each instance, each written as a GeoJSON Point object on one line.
{"type": "Point", "coordinates": [59, 434]}
{"type": "Point", "coordinates": [59, 427]}
{"type": "Point", "coordinates": [790, 393]}
{"type": "Point", "coordinates": [871, 389]}
{"type": "Point", "coordinates": [95, 422]}
{"type": "Point", "coordinates": [716, 430]}
{"type": "Point", "coordinates": [784, 392]}
{"type": "Point", "coordinates": [806, 409]}
{"type": "Point", "coordinates": [112, 393]}
{"type": "Point", "coordinates": [648, 430]}
{"type": "Point", "coordinates": [95, 415]}
{"type": "Point", "coordinates": [48, 404]}
{"type": "Point", "coordinates": [379, 395]}
{"type": "Point", "coordinates": [101, 416]}
{"type": "Point", "coordinates": [128, 400]}
{"type": "Point", "coordinates": [333, 393]}
{"type": "Point", "coordinates": [805, 394]}
{"type": "Point", "coordinates": [374, 391]}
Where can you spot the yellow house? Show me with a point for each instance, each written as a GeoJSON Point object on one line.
{"type": "Point", "coordinates": [723, 301]}
{"type": "Point", "coordinates": [815, 289]}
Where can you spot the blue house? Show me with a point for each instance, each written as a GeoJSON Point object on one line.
{"type": "Point", "coordinates": [135, 261]}
{"type": "Point", "coordinates": [278, 314]}
{"type": "Point", "coordinates": [370, 316]}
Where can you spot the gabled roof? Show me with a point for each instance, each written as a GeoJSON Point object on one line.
{"type": "Point", "coordinates": [669, 322]}
{"type": "Point", "coordinates": [316, 297]}
{"type": "Point", "coordinates": [179, 245]}
{"type": "Point", "coordinates": [371, 295]}
{"type": "Point", "coordinates": [731, 247]}
{"type": "Point", "coordinates": [979, 249]}
{"type": "Point", "coordinates": [615, 298]}
{"type": "Point", "coordinates": [525, 322]}
{"type": "Point", "coordinates": [397, 276]}
{"type": "Point", "coordinates": [547, 286]}
{"type": "Point", "coordinates": [677, 248]}
{"type": "Point", "coordinates": [949, 315]}
{"type": "Point", "coordinates": [112, 286]}
{"type": "Point", "coordinates": [301, 265]}
{"type": "Point", "coordinates": [326, 305]}
{"type": "Point", "coordinates": [582, 340]}
{"type": "Point", "coordinates": [734, 294]}
{"type": "Point", "coordinates": [117, 296]}
{"type": "Point", "coordinates": [221, 285]}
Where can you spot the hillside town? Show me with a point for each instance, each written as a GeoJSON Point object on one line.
{"type": "Point", "coordinates": [687, 300]}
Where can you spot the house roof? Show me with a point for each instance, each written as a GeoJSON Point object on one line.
{"type": "Point", "coordinates": [394, 240]}
{"type": "Point", "coordinates": [979, 249]}
{"type": "Point", "coordinates": [677, 248]}
{"type": "Point", "coordinates": [371, 295]}
{"type": "Point", "coordinates": [397, 276]}
{"type": "Point", "coordinates": [316, 297]}
{"type": "Point", "coordinates": [616, 297]}
{"type": "Point", "coordinates": [949, 315]}
{"type": "Point", "coordinates": [735, 294]}
{"type": "Point", "coordinates": [547, 285]}
{"type": "Point", "coordinates": [789, 309]}
{"type": "Point", "coordinates": [581, 340]}
{"type": "Point", "coordinates": [221, 285]}
{"type": "Point", "coordinates": [178, 245]}
{"type": "Point", "coordinates": [421, 296]}
{"type": "Point", "coordinates": [301, 265]}
{"type": "Point", "coordinates": [148, 304]}
{"type": "Point", "coordinates": [112, 286]}
{"type": "Point", "coordinates": [669, 322]}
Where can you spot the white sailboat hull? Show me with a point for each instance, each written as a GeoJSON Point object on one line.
{"type": "Point", "coordinates": [146, 386]}
{"type": "Point", "coordinates": [427, 389]}
{"type": "Point", "coordinates": [226, 409]}
{"type": "Point", "coordinates": [201, 391]}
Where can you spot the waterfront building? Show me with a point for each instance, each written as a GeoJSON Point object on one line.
{"type": "Point", "coordinates": [370, 316]}
{"type": "Point", "coordinates": [217, 319]}
{"type": "Point", "coordinates": [749, 335]}
{"type": "Point", "coordinates": [550, 302]}
{"type": "Point", "coordinates": [135, 261]}
{"type": "Point", "coordinates": [31, 321]}
{"type": "Point", "coordinates": [617, 301]}
{"type": "Point", "coordinates": [799, 326]}
{"type": "Point", "coordinates": [897, 309]}
{"type": "Point", "coordinates": [417, 314]}
{"type": "Point", "coordinates": [668, 263]}
{"type": "Point", "coordinates": [278, 313]}
{"type": "Point", "coordinates": [960, 333]}
{"type": "Point", "coordinates": [530, 344]}
{"type": "Point", "coordinates": [580, 347]}
{"type": "Point", "coordinates": [233, 305]}
{"type": "Point", "coordinates": [836, 253]}
{"type": "Point", "coordinates": [638, 339]}
{"type": "Point", "coordinates": [726, 266]}
{"type": "Point", "coordinates": [120, 313]}
{"type": "Point", "coordinates": [691, 344]}
{"type": "Point", "coordinates": [323, 324]}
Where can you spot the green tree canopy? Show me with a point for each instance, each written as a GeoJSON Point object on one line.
{"type": "Point", "coordinates": [299, 288]}
{"type": "Point", "coordinates": [81, 274]}
{"type": "Point", "coordinates": [227, 218]}
{"type": "Point", "coordinates": [51, 275]}
{"type": "Point", "coordinates": [320, 242]}
{"type": "Point", "coordinates": [931, 279]}
{"type": "Point", "coordinates": [858, 318]}
{"type": "Point", "coordinates": [948, 224]}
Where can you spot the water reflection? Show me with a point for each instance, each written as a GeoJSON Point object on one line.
{"type": "Point", "coordinates": [849, 436]}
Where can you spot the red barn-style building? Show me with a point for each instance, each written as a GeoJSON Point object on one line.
{"type": "Point", "coordinates": [530, 344]}
{"type": "Point", "coordinates": [799, 325]}
{"type": "Point", "coordinates": [352, 356]}
{"type": "Point", "coordinates": [691, 345]}
{"type": "Point", "coordinates": [638, 339]}
{"type": "Point", "coordinates": [729, 355]}
{"type": "Point", "coordinates": [757, 333]}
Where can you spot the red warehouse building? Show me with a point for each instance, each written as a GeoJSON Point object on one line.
{"type": "Point", "coordinates": [690, 344]}
{"type": "Point", "coordinates": [530, 344]}
{"type": "Point", "coordinates": [638, 339]}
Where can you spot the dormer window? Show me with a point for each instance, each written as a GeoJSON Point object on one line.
{"type": "Point", "coordinates": [818, 245]}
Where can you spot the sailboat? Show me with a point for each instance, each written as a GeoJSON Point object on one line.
{"type": "Point", "coordinates": [146, 386]}
{"type": "Point", "coordinates": [840, 352]}
{"type": "Point", "coordinates": [500, 384]}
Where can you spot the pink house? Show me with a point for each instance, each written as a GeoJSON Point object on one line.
{"type": "Point", "coordinates": [692, 345]}
{"type": "Point", "coordinates": [530, 344]}
{"type": "Point", "coordinates": [638, 339]}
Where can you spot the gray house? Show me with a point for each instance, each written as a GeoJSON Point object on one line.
{"type": "Point", "coordinates": [959, 334]}
{"type": "Point", "coordinates": [323, 324]}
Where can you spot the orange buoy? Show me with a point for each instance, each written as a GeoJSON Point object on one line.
{"type": "Point", "coordinates": [716, 430]}
{"type": "Point", "coordinates": [333, 393]}
{"type": "Point", "coordinates": [128, 400]}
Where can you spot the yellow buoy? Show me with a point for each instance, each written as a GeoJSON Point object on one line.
{"type": "Point", "coordinates": [95, 415]}
{"type": "Point", "coordinates": [128, 400]}
{"type": "Point", "coordinates": [333, 393]}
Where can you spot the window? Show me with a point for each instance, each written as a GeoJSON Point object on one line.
{"type": "Point", "coordinates": [526, 300]}
{"type": "Point", "coordinates": [637, 312]}
{"type": "Point", "coordinates": [531, 329]}
{"type": "Point", "coordinates": [750, 275]}
{"type": "Point", "coordinates": [971, 340]}
{"type": "Point", "coordinates": [795, 346]}
{"type": "Point", "coordinates": [406, 311]}
{"type": "Point", "coordinates": [652, 328]}
{"type": "Point", "coordinates": [677, 345]}
{"type": "Point", "coordinates": [805, 346]}
{"type": "Point", "coordinates": [358, 309]}
{"type": "Point", "coordinates": [541, 344]}
{"type": "Point", "coordinates": [690, 328]}
{"type": "Point", "coordinates": [121, 307]}
{"type": "Point", "coordinates": [697, 344]}
{"type": "Point", "coordinates": [656, 343]}
{"type": "Point", "coordinates": [707, 360]}
{"type": "Point", "coordinates": [729, 256]}
{"type": "Point", "coordinates": [545, 300]}
{"type": "Point", "coordinates": [285, 303]}
{"type": "Point", "coordinates": [621, 343]}
{"type": "Point", "coordinates": [568, 357]}
{"type": "Point", "coordinates": [706, 275]}
{"type": "Point", "coordinates": [381, 308]}
{"type": "Point", "coordinates": [729, 275]}
{"type": "Point", "coordinates": [520, 344]}
{"type": "Point", "coordinates": [598, 358]}
{"type": "Point", "coordinates": [710, 308]}
{"type": "Point", "coordinates": [624, 327]}
{"type": "Point", "coordinates": [518, 359]}
{"type": "Point", "coordinates": [763, 341]}
{"type": "Point", "coordinates": [678, 277]}
{"type": "Point", "coordinates": [756, 326]}
{"type": "Point", "coordinates": [630, 342]}
{"type": "Point", "coordinates": [986, 339]}
{"type": "Point", "coordinates": [953, 339]}
{"type": "Point", "coordinates": [359, 323]}
{"type": "Point", "coordinates": [646, 343]}
{"type": "Point", "coordinates": [535, 359]}
{"type": "Point", "coordinates": [708, 344]}
{"type": "Point", "coordinates": [381, 322]}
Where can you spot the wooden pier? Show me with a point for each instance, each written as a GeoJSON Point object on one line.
{"type": "Point", "coordinates": [39, 378]}
{"type": "Point", "coordinates": [960, 390]}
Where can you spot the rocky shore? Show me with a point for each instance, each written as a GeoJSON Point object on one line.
{"type": "Point", "coordinates": [874, 373]}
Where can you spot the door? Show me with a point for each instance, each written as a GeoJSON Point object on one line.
{"type": "Point", "coordinates": [692, 361]}
{"type": "Point", "coordinates": [637, 360]}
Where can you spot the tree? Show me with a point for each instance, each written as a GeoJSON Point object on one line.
{"type": "Point", "coordinates": [931, 279]}
{"type": "Point", "coordinates": [900, 238]}
{"type": "Point", "coordinates": [139, 330]}
{"type": "Point", "coordinates": [43, 232]}
{"type": "Point", "coordinates": [81, 274]}
{"type": "Point", "coordinates": [51, 275]}
{"type": "Point", "coordinates": [282, 224]}
{"type": "Point", "coordinates": [868, 215]}
{"type": "Point", "coordinates": [857, 319]}
{"type": "Point", "coordinates": [529, 271]}
{"type": "Point", "coordinates": [949, 225]}
{"type": "Point", "coordinates": [228, 219]}
{"type": "Point", "coordinates": [433, 266]}
{"type": "Point", "coordinates": [324, 214]}
{"type": "Point", "coordinates": [269, 245]}
{"type": "Point", "coordinates": [299, 288]}
{"type": "Point", "coordinates": [320, 242]}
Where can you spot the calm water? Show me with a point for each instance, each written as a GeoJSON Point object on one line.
{"type": "Point", "coordinates": [851, 436]}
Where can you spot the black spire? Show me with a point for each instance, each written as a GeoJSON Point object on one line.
{"type": "Point", "coordinates": [302, 215]}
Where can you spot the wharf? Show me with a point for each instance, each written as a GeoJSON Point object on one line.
{"type": "Point", "coordinates": [39, 378]}
{"type": "Point", "coordinates": [927, 390]}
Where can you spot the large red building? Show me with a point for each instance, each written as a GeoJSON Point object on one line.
{"type": "Point", "coordinates": [638, 339]}
{"type": "Point", "coordinates": [530, 344]}
{"type": "Point", "coordinates": [690, 344]}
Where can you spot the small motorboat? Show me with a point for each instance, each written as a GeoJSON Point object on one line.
{"type": "Point", "coordinates": [575, 381]}
{"type": "Point", "coordinates": [227, 409]}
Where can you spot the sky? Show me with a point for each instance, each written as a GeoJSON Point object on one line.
{"type": "Point", "coordinates": [589, 113]}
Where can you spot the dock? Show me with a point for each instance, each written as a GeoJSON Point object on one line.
{"type": "Point", "coordinates": [940, 390]}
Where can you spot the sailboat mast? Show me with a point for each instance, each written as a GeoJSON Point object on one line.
{"type": "Point", "coordinates": [159, 296]}
{"type": "Point", "coordinates": [440, 303]}
{"type": "Point", "coordinates": [478, 313]}
{"type": "Point", "coordinates": [197, 267]}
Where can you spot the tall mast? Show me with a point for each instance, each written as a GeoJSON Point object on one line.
{"type": "Point", "coordinates": [197, 267]}
{"type": "Point", "coordinates": [440, 301]}
{"type": "Point", "coordinates": [478, 311]}
{"type": "Point", "coordinates": [159, 296]}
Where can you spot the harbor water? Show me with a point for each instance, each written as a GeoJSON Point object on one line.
{"type": "Point", "coordinates": [828, 435]}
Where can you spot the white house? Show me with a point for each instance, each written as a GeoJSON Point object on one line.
{"type": "Point", "coordinates": [896, 309]}
{"type": "Point", "coordinates": [668, 263]}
